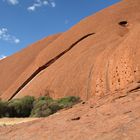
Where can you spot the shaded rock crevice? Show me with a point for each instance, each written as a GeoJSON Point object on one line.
{"type": "Point", "coordinates": [50, 62]}
{"type": "Point", "coordinates": [123, 23]}
{"type": "Point", "coordinates": [89, 81]}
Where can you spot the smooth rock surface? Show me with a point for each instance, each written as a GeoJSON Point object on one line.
{"type": "Point", "coordinates": [98, 55]}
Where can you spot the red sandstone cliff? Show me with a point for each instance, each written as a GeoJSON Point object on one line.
{"type": "Point", "coordinates": [97, 56]}
{"type": "Point", "coordinates": [98, 59]}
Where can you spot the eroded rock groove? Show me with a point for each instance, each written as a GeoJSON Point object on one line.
{"type": "Point", "coordinates": [48, 64]}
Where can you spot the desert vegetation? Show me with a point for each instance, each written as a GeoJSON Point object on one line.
{"type": "Point", "coordinates": [29, 106]}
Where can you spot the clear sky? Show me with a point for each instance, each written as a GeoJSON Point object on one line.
{"type": "Point", "coordinates": [23, 22]}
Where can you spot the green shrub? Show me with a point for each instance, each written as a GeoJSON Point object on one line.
{"type": "Point", "coordinates": [54, 107]}
{"type": "Point", "coordinates": [21, 107]}
{"type": "Point", "coordinates": [45, 106]}
{"type": "Point", "coordinates": [41, 107]}
{"type": "Point", "coordinates": [3, 109]}
{"type": "Point", "coordinates": [68, 101]}
{"type": "Point", "coordinates": [45, 98]}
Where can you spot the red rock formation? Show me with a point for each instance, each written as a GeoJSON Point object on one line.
{"type": "Point", "coordinates": [15, 69]}
{"type": "Point", "coordinates": [97, 59]}
{"type": "Point", "coordinates": [99, 55]}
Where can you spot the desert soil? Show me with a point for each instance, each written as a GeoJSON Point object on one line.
{"type": "Point", "coordinates": [13, 121]}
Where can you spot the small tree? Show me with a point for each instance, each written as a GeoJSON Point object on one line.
{"type": "Point", "coordinates": [21, 107]}
{"type": "Point", "coordinates": [3, 109]}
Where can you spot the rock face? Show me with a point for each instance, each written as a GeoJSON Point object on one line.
{"type": "Point", "coordinates": [98, 56]}
{"type": "Point", "coordinates": [98, 60]}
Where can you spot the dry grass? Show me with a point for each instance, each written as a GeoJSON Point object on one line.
{"type": "Point", "coordinates": [13, 121]}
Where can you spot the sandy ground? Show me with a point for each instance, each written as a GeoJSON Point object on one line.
{"type": "Point", "coordinates": [13, 121]}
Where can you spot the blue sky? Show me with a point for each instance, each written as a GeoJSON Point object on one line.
{"type": "Point", "coordinates": [23, 22]}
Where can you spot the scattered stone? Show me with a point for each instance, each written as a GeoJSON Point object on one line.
{"type": "Point", "coordinates": [83, 103]}
{"type": "Point", "coordinates": [75, 119]}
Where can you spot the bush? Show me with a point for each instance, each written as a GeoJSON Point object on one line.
{"type": "Point", "coordinates": [3, 109]}
{"type": "Point", "coordinates": [21, 107]}
{"type": "Point", "coordinates": [45, 98]}
{"type": "Point", "coordinates": [68, 101]}
{"type": "Point", "coordinates": [45, 106]}
{"type": "Point", "coordinates": [40, 107]}
{"type": "Point", "coordinates": [54, 107]}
